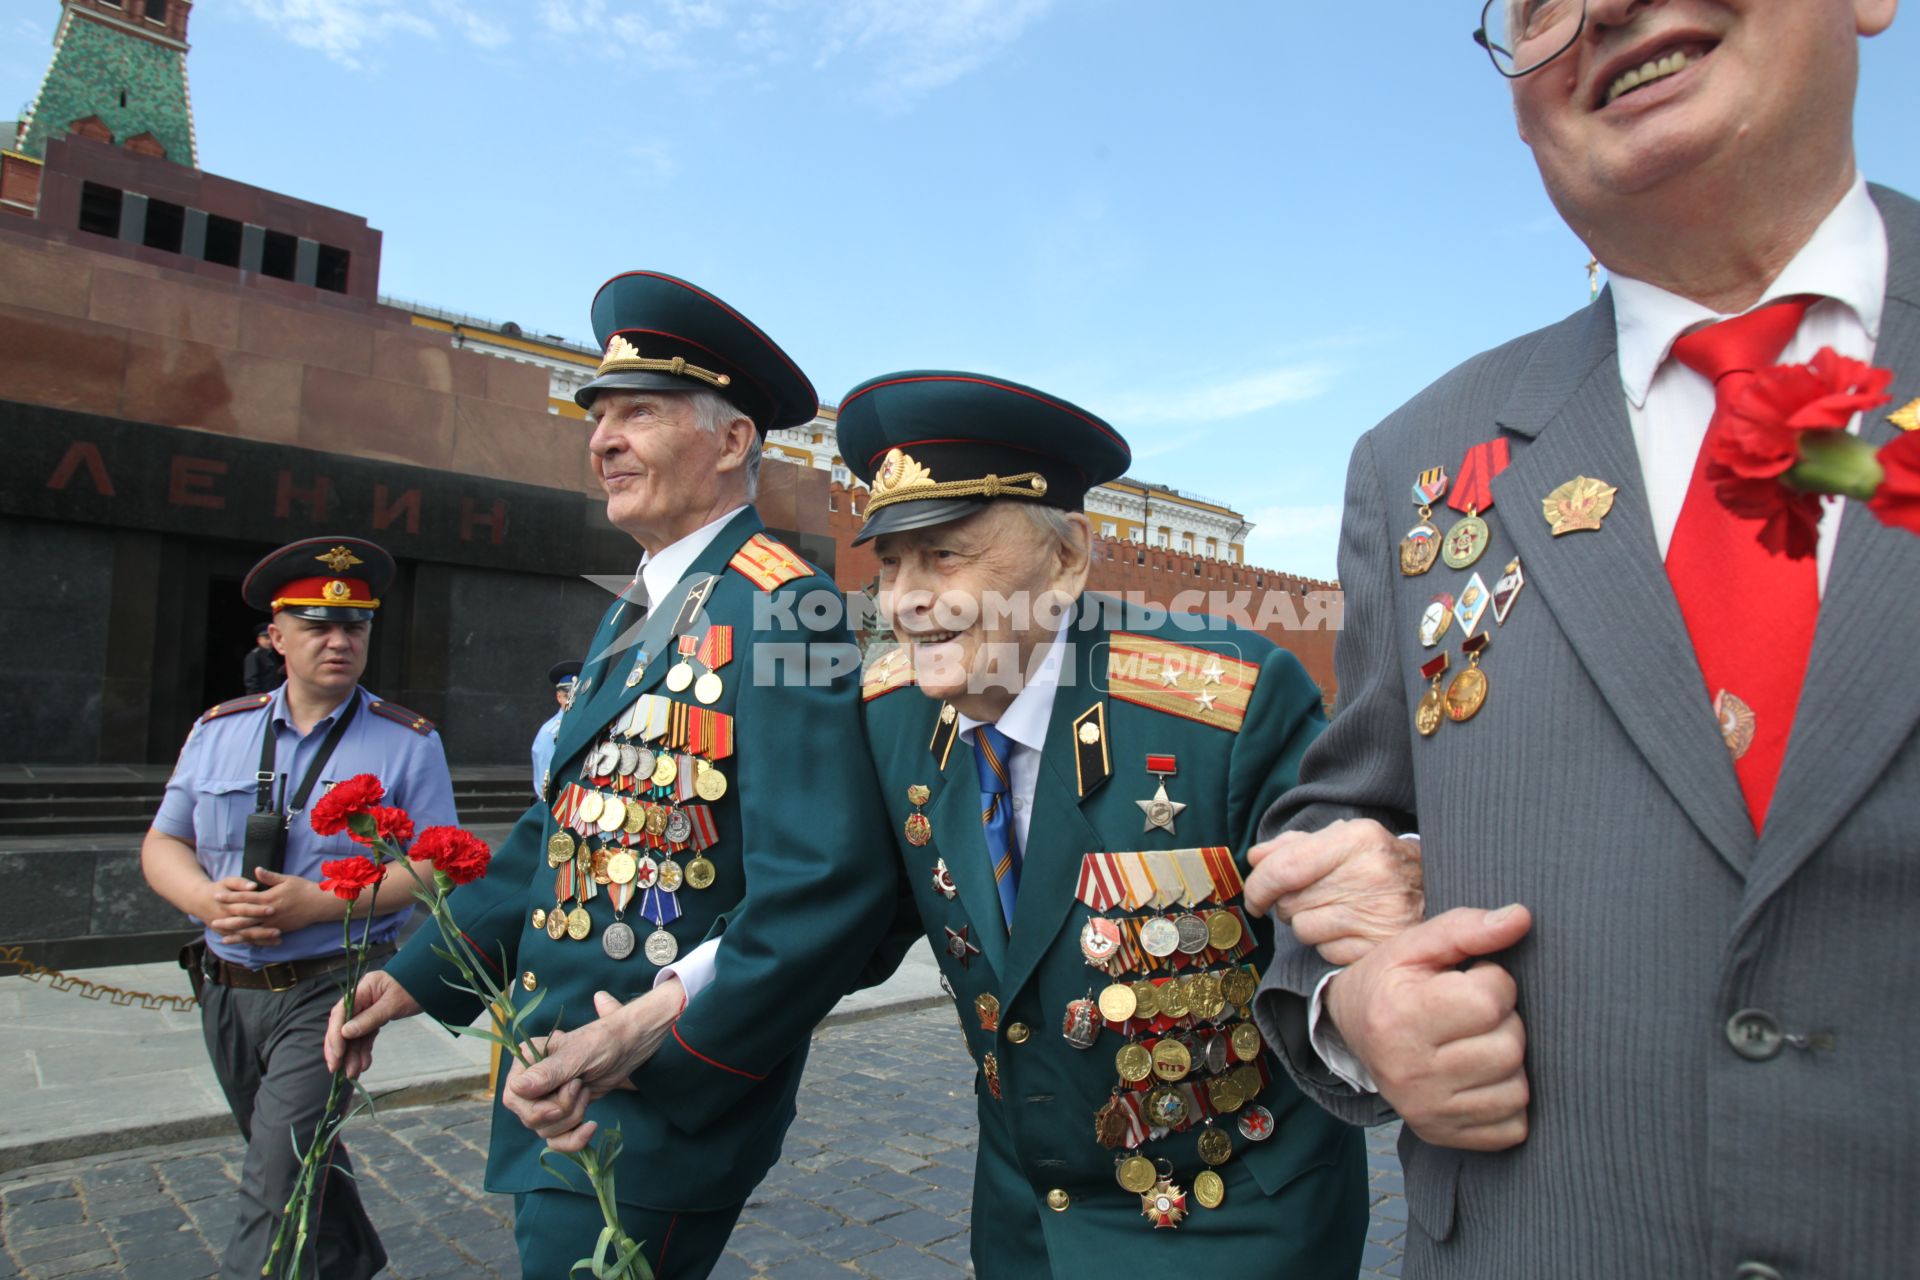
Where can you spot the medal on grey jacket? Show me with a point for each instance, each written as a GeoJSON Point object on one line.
{"type": "Point", "coordinates": [1421, 547]}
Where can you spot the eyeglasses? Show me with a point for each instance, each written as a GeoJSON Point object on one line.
{"type": "Point", "coordinates": [1522, 36]}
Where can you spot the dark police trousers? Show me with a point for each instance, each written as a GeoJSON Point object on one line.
{"type": "Point", "coordinates": [265, 1047]}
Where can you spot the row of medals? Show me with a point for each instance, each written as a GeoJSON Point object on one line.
{"type": "Point", "coordinates": [1461, 548]}
{"type": "Point", "coordinates": [1204, 1002]}
{"type": "Point", "coordinates": [605, 864]}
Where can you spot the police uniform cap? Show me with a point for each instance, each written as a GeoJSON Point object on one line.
{"type": "Point", "coordinates": [659, 333]}
{"type": "Point", "coordinates": [937, 445]}
{"type": "Point", "coordinates": [328, 579]}
{"type": "Point", "coordinates": [563, 673]}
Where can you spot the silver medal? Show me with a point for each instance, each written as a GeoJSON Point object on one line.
{"type": "Point", "coordinates": [661, 948]}
{"type": "Point", "coordinates": [617, 940]}
{"type": "Point", "coordinates": [679, 826]}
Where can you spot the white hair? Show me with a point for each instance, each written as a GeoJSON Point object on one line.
{"type": "Point", "coordinates": [713, 413]}
{"type": "Point", "coordinates": [1053, 524]}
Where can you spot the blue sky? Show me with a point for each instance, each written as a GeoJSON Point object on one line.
{"type": "Point", "coordinates": [1242, 230]}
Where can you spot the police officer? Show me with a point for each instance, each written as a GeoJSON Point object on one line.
{"type": "Point", "coordinates": [267, 968]}
{"type": "Point", "coordinates": [710, 779]}
{"type": "Point", "coordinates": [562, 676]}
{"type": "Point", "coordinates": [1069, 783]}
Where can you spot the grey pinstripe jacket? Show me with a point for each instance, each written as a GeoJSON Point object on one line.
{"type": "Point", "coordinates": [1594, 788]}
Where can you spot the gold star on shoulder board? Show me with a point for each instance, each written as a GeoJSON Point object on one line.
{"type": "Point", "coordinates": [1160, 810]}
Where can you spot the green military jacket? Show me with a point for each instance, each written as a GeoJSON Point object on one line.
{"type": "Point", "coordinates": [1131, 687]}
{"type": "Point", "coordinates": [802, 880]}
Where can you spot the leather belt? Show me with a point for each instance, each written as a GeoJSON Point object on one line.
{"type": "Point", "coordinates": [283, 975]}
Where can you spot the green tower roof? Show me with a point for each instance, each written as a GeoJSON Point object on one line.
{"type": "Point", "coordinates": [123, 64]}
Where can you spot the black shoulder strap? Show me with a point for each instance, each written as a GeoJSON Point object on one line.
{"type": "Point", "coordinates": [263, 780]}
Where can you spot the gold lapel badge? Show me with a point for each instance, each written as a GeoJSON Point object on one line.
{"type": "Point", "coordinates": [1580, 503]}
{"type": "Point", "coordinates": [1907, 417]}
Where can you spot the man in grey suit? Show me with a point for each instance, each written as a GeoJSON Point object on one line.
{"type": "Point", "coordinates": [1661, 1019]}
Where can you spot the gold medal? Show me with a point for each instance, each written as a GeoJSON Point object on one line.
{"type": "Point", "coordinates": [597, 866]}
{"type": "Point", "coordinates": [621, 867]}
{"type": "Point", "coordinates": [918, 830]}
{"type": "Point", "coordinates": [1419, 549]}
{"type": "Point", "coordinates": [1203, 996]}
{"type": "Point", "coordinates": [700, 872]}
{"type": "Point", "coordinates": [987, 1006]}
{"type": "Point", "coordinates": [1133, 1063]}
{"type": "Point", "coordinates": [557, 923]}
{"type": "Point", "coordinates": [1580, 503]}
{"type": "Point", "coordinates": [1237, 986]}
{"type": "Point", "coordinates": [1466, 542]}
{"type": "Point", "coordinates": [579, 924]}
{"type": "Point", "coordinates": [1166, 1108]}
{"type": "Point", "coordinates": [656, 821]}
{"type": "Point", "coordinates": [590, 806]}
{"type": "Point", "coordinates": [1135, 1174]}
{"type": "Point", "coordinates": [1216, 1148]}
{"type": "Point", "coordinates": [1223, 930]}
{"type": "Point", "coordinates": [671, 876]}
{"type": "Point", "coordinates": [1246, 1041]}
{"type": "Point", "coordinates": [1247, 1076]}
{"type": "Point", "coordinates": [708, 782]}
{"type": "Point", "coordinates": [1117, 1003]}
{"type": "Point", "coordinates": [1173, 999]}
{"type": "Point", "coordinates": [1110, 1124]}
{"type": "Point", "coordinates": [1468, 692]}
{"type": "Point", "coordinates": [665, 770]}
{"type": "Point", "coordinates": [559, 848]}
{"type": "Point", "coordinates": [680, 676]}
{"type": "Point", "coordinates": [613, 814]}
{"type": "Point", "coordinates": [636, 818]}
{"type": "Point", "coordinates": [539, 917]}
{"type": "Point", "coordinates": [1146, 1000]}
{"type": "Point", "coordinates": [1210, 1189]}
{"type": "Point", "coordinates": [707, 689]}
{"type": "Point", "coordinates": [1431, 711]}
{"type": "Point", "coordinates": [1225, 1095]}
{"type": "Point", "coordinates": [1171, 1061]}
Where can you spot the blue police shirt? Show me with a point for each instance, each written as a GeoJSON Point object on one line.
{"type": "Point", "coordinates": [543, 742]}
{"type": "Point", "coordinates": [212, 791]}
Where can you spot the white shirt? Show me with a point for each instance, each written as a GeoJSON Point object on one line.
{"type": "Point", "coordinates": [1025, 724]}
{"type": "Point", "coordinates": [660, 571]}
{"type": "Point", "coordinates": [1669, 406]}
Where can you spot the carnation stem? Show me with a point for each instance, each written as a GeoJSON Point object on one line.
{"type": "Point", "coordinates": [1836, 462]}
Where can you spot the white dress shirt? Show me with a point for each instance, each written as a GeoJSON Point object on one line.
{"type": "Point", "coordinates": [1669, 407]}
{"type": "Point", "coordinates": [1025, 724]}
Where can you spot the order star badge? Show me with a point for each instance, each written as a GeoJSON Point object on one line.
{"type": "Point", "coordinates": [1161, 810]}
{"type": "Point", "coordinates": [959, 946]}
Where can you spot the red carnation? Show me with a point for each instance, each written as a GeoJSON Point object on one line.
{"type": "Point", "coordinates": [344, 799]}
{"type": "Point", "coordinates": [1897, 501]}
{"type": "Point", "coordinates": [346, 877]}
{"type": "Point", "coordinates": [393, 825]}
{"type": "Point", "coordinates": [459, 855]}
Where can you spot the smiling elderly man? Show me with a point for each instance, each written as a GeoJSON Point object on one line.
{"type": "Point", "coordinates": [1068, 788]}
{"type": "Point", "coordinates": [698, 789]}
{"type": "Point", "coordinates": [1672, 763]}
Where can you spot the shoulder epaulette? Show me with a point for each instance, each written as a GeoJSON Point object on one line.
{"type": "Point", "coordinates": [769, 563]}
{"type": "Point", "coordinates": [400, 715]}
{"type": "Point", "coordinates": [1180, 680]}
{"type": "Point", "coordinates": [252, 702]}
{"type": "Point", "coordinates": [891, 670]}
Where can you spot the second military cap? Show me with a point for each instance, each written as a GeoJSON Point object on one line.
{"type": "Point", "coordinates": [659, 333]}
{"type": "Point", "coordinates": [330, 579]}
{"type": "Point", "coordinates": [935, 445]}
{"type": "Point", "coordinates": [562, 673]}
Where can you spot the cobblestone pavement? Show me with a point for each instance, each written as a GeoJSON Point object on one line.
{"type": "Point", "coordinates": [874, 1181]}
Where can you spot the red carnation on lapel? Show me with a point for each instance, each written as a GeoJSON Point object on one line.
{"type": "Point", "coordinates": [348, 877]}
{"type": "Point", "coordinates": [357, 794]}
{"type": "Point", "coordinates": [1897, 501]}
{"type": "Point", "coordinates": [1760, 443]}
{"type": "Point", "coordinates": [459, 855]}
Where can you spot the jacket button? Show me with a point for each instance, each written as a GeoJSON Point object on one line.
{"type": "Point", "coordinates": [528, 981]}
{"type": "Point", "coordinates": [1755, 1271]}
{"type": "Point", "coordinates": [1057, 1200]}
{"type": "Point", "coordinates": [1017, 1033]}
{"type": "Point", "coordinates": [1755, 1036]}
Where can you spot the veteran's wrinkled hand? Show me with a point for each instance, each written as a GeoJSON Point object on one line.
{"type": "Point", "coordinates": [1445, 1045]}
{"type": "Point", "coordinates": [584, 1065]}
{"type": "Point", "coordinates": [1343, 889]}
{"type": "Point", "coordinates": [378, 1000]}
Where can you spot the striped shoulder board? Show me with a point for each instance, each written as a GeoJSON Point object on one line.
{"type": "Point", "coordinates": [1197, 684]}
{"type": "Point", "coordinates": [769, 563]}
{"type": "Point", "coordinates": [400, 715]}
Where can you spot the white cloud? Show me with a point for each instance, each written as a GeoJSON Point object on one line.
{"type": "Point", "coordinates": [345, 30]}
{"type": "Point", "coordinates": [1295, 539]}
{"type": "Point", "coordinates": [922, 45]}
{"type": "Point", "coordinates": [656, 159]}
{"type": "Point", "coordinates": [1198, 400]}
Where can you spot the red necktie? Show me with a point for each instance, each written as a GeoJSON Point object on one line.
{"type": "Point", "coordinates": [1751, 613]}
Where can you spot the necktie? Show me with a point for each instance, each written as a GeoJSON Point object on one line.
{"type": "Point", "coordinates": [991, 751]}
{"type": "Point", "coordinates": [1750, 613]}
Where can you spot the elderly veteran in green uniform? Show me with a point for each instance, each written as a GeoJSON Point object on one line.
{"type": "Point", "coordinates": [231, 847]}
{"type": "Point", "coordinates": [710, 771]}
{"type": "Point", "coordinates": [1069, 790]}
